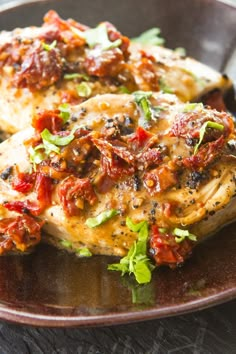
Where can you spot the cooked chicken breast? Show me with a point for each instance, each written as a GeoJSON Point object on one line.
{"type": "Point", "coordinates": [148, 157]}
{"type": "Point", "coordinates": [64, 61]}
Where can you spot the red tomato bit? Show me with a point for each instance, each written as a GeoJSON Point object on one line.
{"type": "Point", "coordinates": [20, 233]}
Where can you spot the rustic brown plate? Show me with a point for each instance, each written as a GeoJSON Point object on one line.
{"type": "Point", "coordinates": [52, 288]}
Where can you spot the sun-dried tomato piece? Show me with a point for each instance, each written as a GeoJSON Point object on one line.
{"type": "Point", "coordinates": [40, 68]}
{"type": "Point", "coordinates": [150, 157]}
{"type": "Point", "coordinates": [159, 179]}
{"type": "Point", "coordinates": [106, 63]}
{"type": "Point", "coordinates": [23, 182]}
{"type": "Point", "coordinates": [165, 250]}
{"type": "Point", "coordinates": [73, 192]}
{"type": "Point", "coordinates": [70, 96]}
{"type": "Point", "coordinates": [20, 233]}
{"type": "Point", "coordinates": [139, 138]}
{"type": "Point", "coordinates": [116, 161]}
{"type": "Point", "coordinates": [43, 189]}
{"type": "Point", "coordinates": [64, 28]}
{"type": "Point", "coordinates": [206, 155]}
{"type": "Point", "coordinates": [48, 119]}
{"type": "Point", "coordinates": [25, 207]}
{"type": "Point", "coordinates": [145, 74]}
{"type": "Point", "coordinates": [188, 124]}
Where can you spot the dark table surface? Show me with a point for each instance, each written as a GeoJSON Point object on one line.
{"type": "Point", "coordinates": [210, 331]}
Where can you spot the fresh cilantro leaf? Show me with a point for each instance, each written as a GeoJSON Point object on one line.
{"type": "Point", "coordinates": [98, 37]}
{"type": "Point", "coordinates": [76, 76]}
{"type": "Point", "coordinates": [181, 51]}
{"type": "Point", "coordinates": [143, 272]}
{"type": "Point", "coordinates": [57, 140]}
{"type": "Point", "coordinates": [36, 156]}
{"type": "Point", "coordinates": [84, 252]}
{"type": "Point", "coordinates": [84, 90]}
{"type": "Point", "coordinates": [208, 124]}
{"type": "Point", "coordinates": [181, 235]}
{"type": "Point", "coordinates": [151, 36]}
{"type": "Point", "coordinates": [123, 89]}
{"type": "Point", "coordinates": [49, 147]}
{"type": "Point", "coordinates": [64, 109]}
{"type": "Point", "coordinates": [132, 226]}
{"type": "Point", "coordinates": [136, 261]}
{"type": "Point", "coordinates": [101, 218]}
{"type": "Point", "coordinates": [164, 87]}
{"type": "Point", "coordinates": [50, 46]}
{"type": "Point", "coordinates": [66, 243]}
{"type": "Point", "coordinates": [141, 98]}
{"type": "Point", "coordinates": [189, 107]}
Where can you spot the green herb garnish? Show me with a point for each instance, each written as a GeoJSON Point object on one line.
{"type": "Point", "coordinates": [141, 98]}
{"type": "Point", "coordinates": [84, 252]}
{"type": "Point", "coordinates": [66, 243]}
{"type": "Point", "coordinates": [36, 156]}
{"type": "Point", "coordinates": [189, 107]}
{"type": "Point", "coordinates": [208, 124]}
{"type": "Point", "coordinates": [151, 36]}
{"type": "Point", "coordinates": [136, 262]}
{"type": "Point", "coordinates": [84, 90]}
{"type": "Point", "coordinates": [76, 76]}
{"type": "Point", "coordinates": [181, 235]}
{"type": "Point", "coordinates": [56, 139]}
{"type": "Point", "coordinates": [181, 51]}
{"type": "Point", "coordinates": [50, 144]}
{"type": "Point", "coordinates": [164, 87]}
{"type": "Point", "coordinates": [64, 112]}
{"type": "Point", "coordinates": [101, 218]}
{"type": "Point", "coordinates": [97, 37]}
{"type": "Point", "coordinates": [50, 46]}
{"type": "Point", "coordinates": [123, 89]}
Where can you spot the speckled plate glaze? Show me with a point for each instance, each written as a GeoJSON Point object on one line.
{"type": "Point", "coordinates": [52, 288]}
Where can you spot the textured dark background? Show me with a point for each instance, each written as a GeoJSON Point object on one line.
{"type": "Point", "coordinates": [212, 331]}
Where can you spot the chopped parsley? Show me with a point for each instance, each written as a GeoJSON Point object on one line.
{"type": "Point", "coordinates": [181, 51]}
{"type": "Point", "coordinates": [73, 76]}
{"type": "Point", "coordinates": [57, 140]}
{"type": "Point", "coordinates": [84, 90]}
{"type": "Point", "coordinates": [181, 235]}
{"type": "Point", "coordinates": [189, 107]}
{"type": "Point", "coordinates": [36, 156]}
{"type": "Point", "coordinates": [101, 218]}
{"type": "Point", "coordinates": [123, 89]}
{"type": "Point", "coordinates": [208, 124]}
{"type": "Point", "coordinates": [141, 98]}
{"type": "Point", "coordinates": [151, 36]}
{"type": "Point", "coordinates": [66, 243]}
{"type": "Point", "coordinates": [164, 87]}
{"type": "Point", "coordinates": [136, 261]}
{"type": "Point", "coordinates": [64, 109]}
{"type": "Point", "coordinates": [83, 252]}
{"type": "Point", "coordinates": [50, 144]}
{"type": "Point", "coordinates": [50, 46]}
{"type": "Point", "coordinates": [98, 37]}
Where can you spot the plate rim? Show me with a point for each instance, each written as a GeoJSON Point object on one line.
{"type": "Point", "coordinates": [28, 318]}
